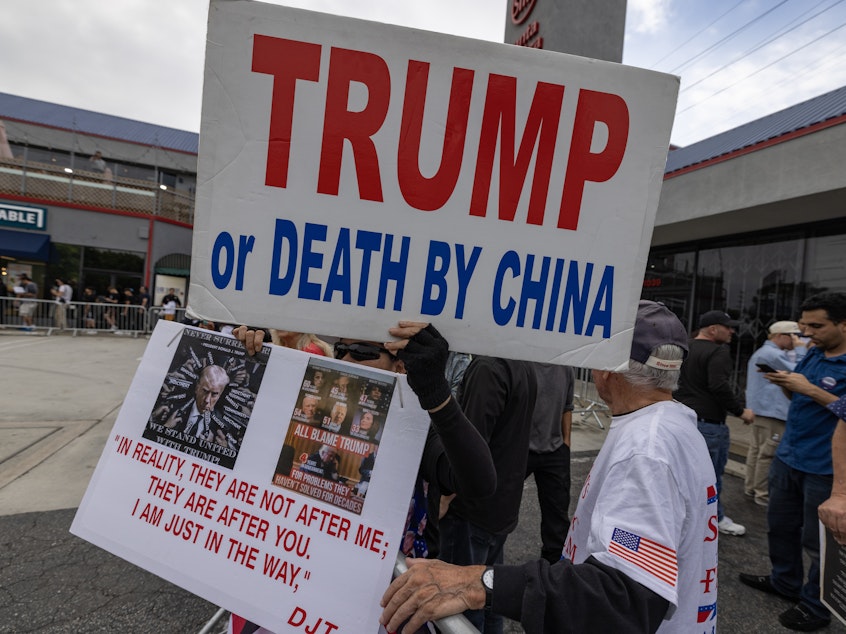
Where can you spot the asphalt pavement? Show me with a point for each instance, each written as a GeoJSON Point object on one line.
{"type": "Point", "coordinates": [61, 395]}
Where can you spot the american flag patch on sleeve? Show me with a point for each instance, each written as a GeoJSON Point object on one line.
{"type": "Point", "coordinates": [654, 558]}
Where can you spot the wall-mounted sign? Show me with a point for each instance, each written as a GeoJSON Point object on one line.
{"type": "Point", "coordinates": [23, 216]}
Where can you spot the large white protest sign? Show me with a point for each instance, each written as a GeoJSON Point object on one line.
{"type": "Point", "coordinates": [352, 174]}
{"type": "Point", "coordinates": [276, 486]}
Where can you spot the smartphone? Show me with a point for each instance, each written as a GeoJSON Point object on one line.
{"type": "Point", "coordinates": [766, 368]}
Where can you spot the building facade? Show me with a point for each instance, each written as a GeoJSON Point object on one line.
{"type": "Point", "coordinates": [93, 199]}
{"type": "Point", "coordinates": [753, 220]}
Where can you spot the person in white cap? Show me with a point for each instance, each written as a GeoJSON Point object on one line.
{"type": "Point", "coordinates": [641, 552]}
{"type": "Point", "coordinates": [769, 403]}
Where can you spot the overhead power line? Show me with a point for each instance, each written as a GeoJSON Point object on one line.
{"type": "Point", "coordinates": [763, 68]}
{"type": "Point", "coordinates": [695, 35]}
{"type": "Point", "coordinates": [762, 45]}
{"type": "Point", "coordinates": [762, 105]}
{"type": "Point", "coordinates": [727, 37]}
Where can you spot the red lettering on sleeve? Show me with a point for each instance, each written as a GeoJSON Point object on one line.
{"type": "Point", "coordinates": [712, 529]}
{"type": "Point", "coordinates": [710, 578]}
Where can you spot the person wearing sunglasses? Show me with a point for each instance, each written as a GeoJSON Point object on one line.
{"type": "Point", "coordinates": [456, 458]}
{"type": "Point", "coordinates": [360, 351]}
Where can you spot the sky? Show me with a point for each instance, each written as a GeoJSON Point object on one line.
{"type": "Point", "coordinates": [738, 60]}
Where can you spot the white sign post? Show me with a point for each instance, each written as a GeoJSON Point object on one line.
{"type": "Point", "coordinates": [352, 174]}
{"type": "Point", "coordinates": [285, 502]}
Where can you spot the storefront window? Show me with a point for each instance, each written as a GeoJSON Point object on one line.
{"type": "Point", "coordinates": [824, 262]}
{"type": "Point", "coordinates": [102, 268]}
{"type": "Point", "coordinates": [756, 283]}
{"type": "Point", "coordinates": [669, 280]}
{"type": "Point", "coordinates": [757, 279]}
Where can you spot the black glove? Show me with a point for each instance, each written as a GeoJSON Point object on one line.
{"type": "Point", "coordinates": [425, 358]}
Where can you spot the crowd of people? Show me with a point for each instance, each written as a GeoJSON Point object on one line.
{"type": "Point", "coordinates": [640, 553]}
{"type": "Point", "coordinates": [92, 309]}
{"type": "Point", "coordinates": [114, 309]}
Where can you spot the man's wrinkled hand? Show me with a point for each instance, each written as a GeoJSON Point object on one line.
{"type": "Point", "coordinates": [832, 514]}
{"type": "Point", "coordinates": [431, 590]}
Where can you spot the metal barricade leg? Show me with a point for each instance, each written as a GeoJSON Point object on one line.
{"type": "Point", "coordinates": [586, 399]}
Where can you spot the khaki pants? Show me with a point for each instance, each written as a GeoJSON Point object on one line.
{"type": "Point", "coordinates": [764, 436]}
{"type": "Point", "coordinates": [61, 316]}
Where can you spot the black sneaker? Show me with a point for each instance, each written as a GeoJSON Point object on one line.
{"type": "Point", "coordinates": [763, 583]}
{"type": "Point", "coordinates": [800, 618]}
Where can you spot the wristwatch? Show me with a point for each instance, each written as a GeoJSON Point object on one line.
{"type": "Point", "coordinates": [487, 582]}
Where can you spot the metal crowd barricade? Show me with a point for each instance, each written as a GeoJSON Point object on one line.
{"type": "Point", "coordinates": [160, 312]}
{"type": "Point", "coordinates": [51, 317]}
{"type": "Point", "coordinates": [586, 400]}
{"type": "Point", "coordinates": [103, 317]}
{"type": "Point", "coordinates": [14, 313]}
{"type": "Point", "coordinates": [77, 318]}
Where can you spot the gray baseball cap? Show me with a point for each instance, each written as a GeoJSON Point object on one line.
{"type": "Point", "coordinates": [656, 325]}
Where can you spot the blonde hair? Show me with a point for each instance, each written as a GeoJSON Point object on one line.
{"type": "Point", "coordinates": [302, 342]}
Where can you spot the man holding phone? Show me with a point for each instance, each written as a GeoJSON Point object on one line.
{"type": "Point", "coordinates": [801, 473]}
{"type": "Point", "coordinates": [769, 404]}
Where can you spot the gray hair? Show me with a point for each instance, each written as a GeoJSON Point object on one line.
{"type": "Point", "coordinates": [641, 375]}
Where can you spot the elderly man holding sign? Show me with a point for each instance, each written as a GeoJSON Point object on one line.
{"type": "Point", "coordinates": [635, 559]}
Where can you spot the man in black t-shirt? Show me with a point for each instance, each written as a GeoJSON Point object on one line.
{"type": "Point", "coordinates": [704, 387]}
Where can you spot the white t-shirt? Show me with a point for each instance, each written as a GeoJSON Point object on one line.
{"type": "Point", "coordinates": [649, 509]}
{"type": "Point", "coordinates": [65, 293]}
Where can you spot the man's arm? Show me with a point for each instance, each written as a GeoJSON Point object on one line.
{"type": "Point", "coordinates": [832, 512]}
{"type": "Point", "coordinates": [567, 416]}
{"type": "Point", "coordinates": [566, 426]}
{"type": "Point", "coordinates": [457, 456]}
{"type": "Point", "coordinates": [563, 597]}
{"type": "Point", "coordinates": [719, 372]}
